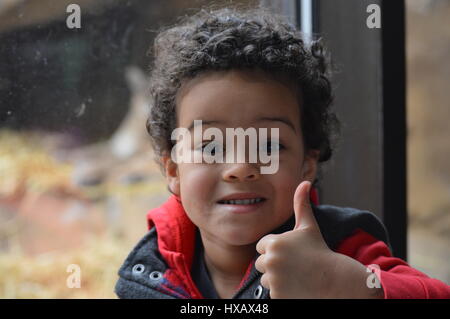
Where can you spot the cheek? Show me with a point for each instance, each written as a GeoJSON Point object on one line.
{"type": "Point", "coordinates": [285, 183]}
{"type": "Point", "coordinates": [289, 173]}
{"type": "Point", "coordinates": [197, 184]}
{"type": "Point", "coordinates": [195, 178]}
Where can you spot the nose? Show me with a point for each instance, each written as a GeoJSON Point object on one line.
{"type": "Point", "coordinates": [241, 172]}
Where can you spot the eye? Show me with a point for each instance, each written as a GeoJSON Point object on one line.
{"type": "Point", "coordinates": [211, 148]}
{"type": "Point", "coordinates": [271, 146]}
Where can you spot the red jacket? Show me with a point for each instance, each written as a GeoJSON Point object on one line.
{"type": "Point", "coordinates": [160, 265]}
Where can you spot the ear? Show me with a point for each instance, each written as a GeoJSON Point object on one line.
{"type": "Point", "coordinates": [172, 174]}
{"type": "Point", "coordinates": [309, 169]}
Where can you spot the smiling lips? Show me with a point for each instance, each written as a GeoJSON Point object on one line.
{"type": "Point", "coordinates": [242, 202]}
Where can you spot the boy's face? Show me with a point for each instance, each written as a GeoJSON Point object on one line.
{"type": "Point", "coordinates": [246, 99]}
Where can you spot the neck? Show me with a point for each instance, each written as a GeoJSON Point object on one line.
{"type": "Point", "coordinates": [227, 264]}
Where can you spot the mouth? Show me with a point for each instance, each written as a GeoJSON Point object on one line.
{"type": "Point", "coordinates": [249, 201]}
{"type": "Point", "coordinates": [242, 202]}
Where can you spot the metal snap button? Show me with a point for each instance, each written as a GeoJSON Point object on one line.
{"type": "Point", "coordinates": [138, 269]}
{"type": "Point", "coordinates": [258, 292]}
{"type": "Point", "coordinates": [155, 275]}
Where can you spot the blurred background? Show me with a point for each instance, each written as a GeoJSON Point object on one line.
{"type": "Point", "coordinates": [77, 174]}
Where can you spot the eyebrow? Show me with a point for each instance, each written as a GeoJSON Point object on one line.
{"type": "Point", "coordinates": [203, 123]}
{"type": "Point", "coordinates": [274, 119]}
{"type": "Point", "coordinates": [279, 119]}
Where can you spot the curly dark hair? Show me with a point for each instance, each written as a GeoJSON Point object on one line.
{"type": "Point", "coordinates": [244, 38]}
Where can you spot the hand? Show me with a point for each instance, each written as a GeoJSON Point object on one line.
{"type": "Point", "coordinates": [299, 264]}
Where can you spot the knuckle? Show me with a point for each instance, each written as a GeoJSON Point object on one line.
{"type": "Point", "coordinates": [276, 244]}
{"type": "Point", "coordinates": [282, 245]}
{"type": "Point", "coordinates": [273, 261]}
{"type": "Point", "coordinates": [265, 281]}
{"type": "Point", "coordinates": [259, 264]}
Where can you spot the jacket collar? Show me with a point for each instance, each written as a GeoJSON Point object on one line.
{"type": "Point", "coordinates": [175, 231]}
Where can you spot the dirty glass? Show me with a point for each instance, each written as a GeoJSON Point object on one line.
{"type": "Point", "coordinates": [77, 174]}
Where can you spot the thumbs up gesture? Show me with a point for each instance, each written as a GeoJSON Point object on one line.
{"type": "Point", "coordinates": [299, 264]}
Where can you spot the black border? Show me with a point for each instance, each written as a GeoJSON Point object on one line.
{"type": "Point", "coordinates": [394, 124]}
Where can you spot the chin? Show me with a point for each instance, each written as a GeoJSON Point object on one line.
{"type": "Point", "coordinates": [241, 237]}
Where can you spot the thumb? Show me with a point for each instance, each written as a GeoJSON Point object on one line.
{"type": "Point", "coordinates": [304, 216]}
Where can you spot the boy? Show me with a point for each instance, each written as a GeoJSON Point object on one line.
{"type": "Point", "coordinates": [228, 230]}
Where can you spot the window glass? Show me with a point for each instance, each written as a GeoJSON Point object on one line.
{"type": "Point", "coordinates": [77, 174]}
{"type": "Point", "coordinates": [428, 72]}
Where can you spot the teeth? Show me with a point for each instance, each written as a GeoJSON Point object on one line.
{"type": "Point", "coordinates": [242, 201]}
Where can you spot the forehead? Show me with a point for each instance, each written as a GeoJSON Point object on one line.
{"type": "Point", "coordinates": [236, 98]}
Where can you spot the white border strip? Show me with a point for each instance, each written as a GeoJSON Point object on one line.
{"type": "Point", "coordinates": [306, 19]}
